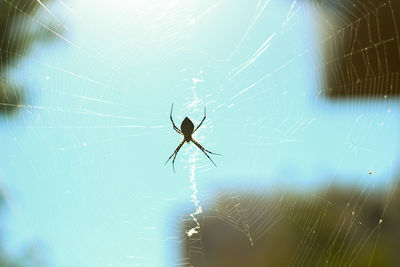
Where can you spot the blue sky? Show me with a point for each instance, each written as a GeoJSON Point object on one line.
{"type": "Point", "coordinates": [84, 163]}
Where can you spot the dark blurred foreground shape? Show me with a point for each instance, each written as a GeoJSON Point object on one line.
{"type": "Point", "coordinates": [15, 18]}
{"type": "Point", "coordinates": [361, 47]}
{"type": "Point", "coordinates": [339, 227]}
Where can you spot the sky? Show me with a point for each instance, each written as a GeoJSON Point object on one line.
{"type": "Point", "coordinates": [84, 160]}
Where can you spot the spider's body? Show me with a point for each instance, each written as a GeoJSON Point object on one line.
{"type": "Point", "coordinates": [187, 129]}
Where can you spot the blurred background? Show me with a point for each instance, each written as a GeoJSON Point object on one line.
{"type": "Point", "coordinates": [302, 103]}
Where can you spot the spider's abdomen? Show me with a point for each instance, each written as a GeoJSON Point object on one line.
{"type": "Point", "coordinates": [187, 128]}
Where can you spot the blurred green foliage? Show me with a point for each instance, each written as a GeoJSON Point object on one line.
{"type": "Point", "coordinates": [15, 39]}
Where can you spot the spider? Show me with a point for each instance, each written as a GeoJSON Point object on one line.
{"type": "Point", "coordinates": [187, 131]}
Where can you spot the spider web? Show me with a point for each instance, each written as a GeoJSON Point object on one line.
{"type": "Point", "coordinates": [301, 101]}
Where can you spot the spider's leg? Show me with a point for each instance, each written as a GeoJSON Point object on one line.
{"type": "Point", "coordinates": [204, 151]}
{"type": "Point", "coordinates": [201, 120]}
{"type": "Point", "coordinates": [176, 151]}
{"type": "Point", "coordinates": [174, 155]}
{"type": "Point", "coordinates": [202, 148]}
{"type": "Point", "coordinates": [212, 152]}
{"type": "Point", "coordinates": [173, 124]}
{"type": "Point", "coordinates": [173, 162]}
